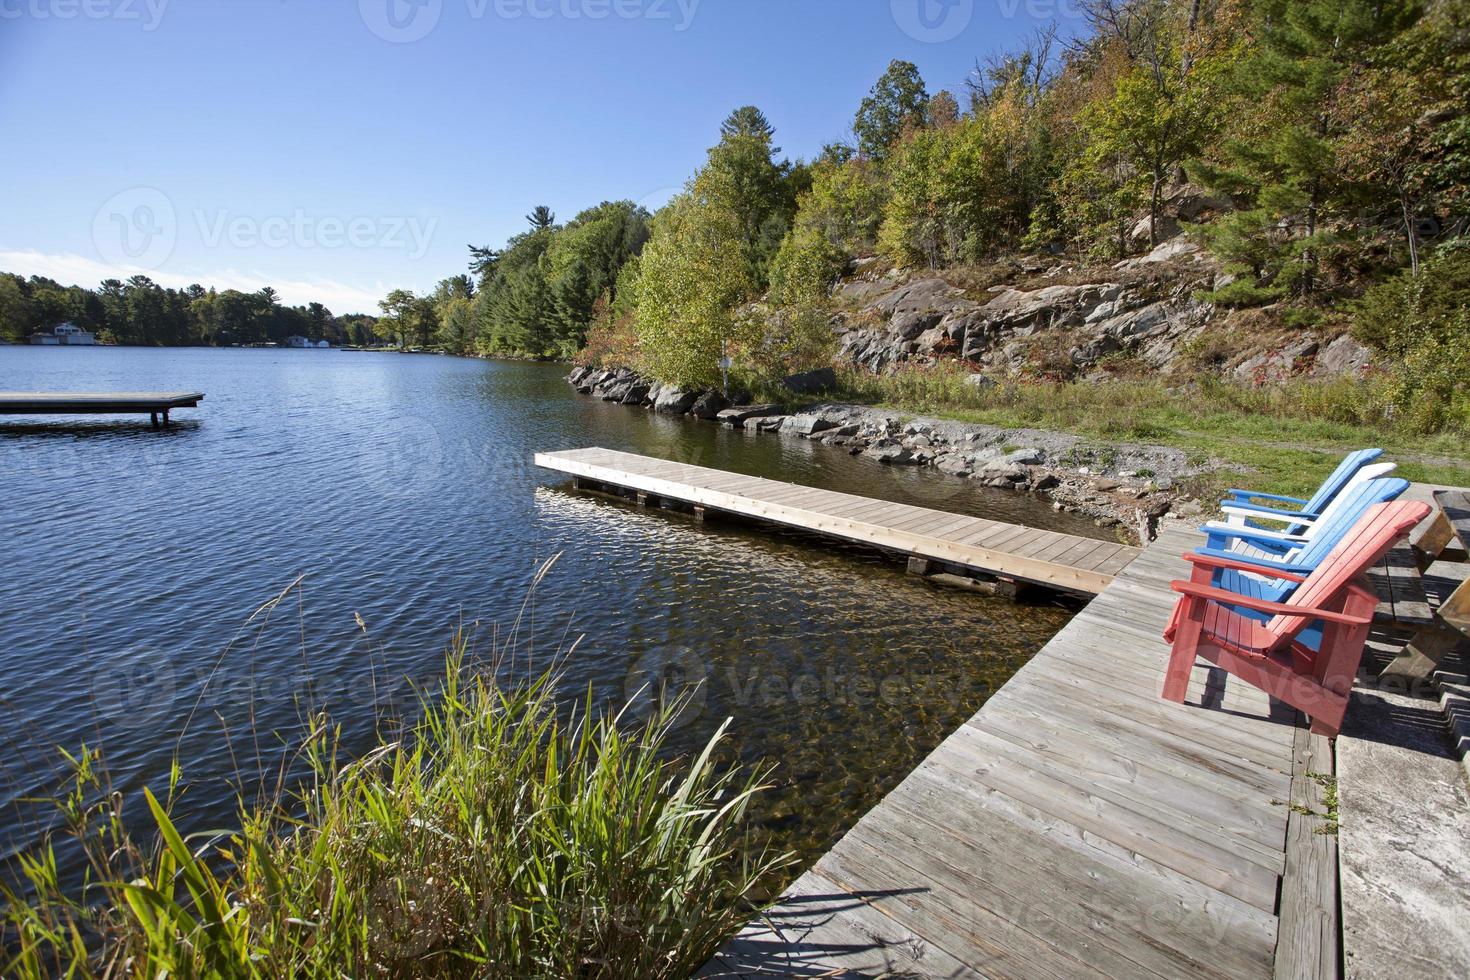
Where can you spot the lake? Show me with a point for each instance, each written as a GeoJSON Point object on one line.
{"type": "Point", "coordinates": [397, 493]}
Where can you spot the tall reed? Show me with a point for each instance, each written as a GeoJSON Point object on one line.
{"type": "Point", "coordinates": [505, 834]}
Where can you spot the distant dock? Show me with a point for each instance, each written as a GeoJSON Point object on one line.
{"type": "Point", "coordinates": [156, 403]}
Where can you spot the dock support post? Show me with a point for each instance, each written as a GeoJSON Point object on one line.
{"type": "Point", "coordinates": [578, 483]}
{"type": "Point", "coordinates": [642, 499]}
{"type": "Point", "coordinates": [918, 566]}
{"type": "Point", "coordinates": [165, 418]}
{"type": "Point", "coordinates": [153, 418]}
{"type": "Point", "coordinates": [699, 513]}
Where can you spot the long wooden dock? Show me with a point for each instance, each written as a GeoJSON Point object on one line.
{"type": "Point", "coordinates": [156, 403]}
{"type": "Point", "coordinates": [1059, 561]}
{"type": "Point", "coordinates": [1079, 826]}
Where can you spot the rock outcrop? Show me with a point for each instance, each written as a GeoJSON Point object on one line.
{"type": "Point", "coordinates": [1048, 319]}
{"type": "Point", "coordinates": [1123, 484]}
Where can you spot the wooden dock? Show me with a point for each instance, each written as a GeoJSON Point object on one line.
{"type": "Point", "coordinates": [156, 403]}
{"type": "Point", "coordinates": [1079, 826]}
{"type": "Point", "coordinates": [947, 540]}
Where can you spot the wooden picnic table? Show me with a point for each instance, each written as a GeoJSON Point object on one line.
{"type": "Point", "coordinates": [1450, 625]}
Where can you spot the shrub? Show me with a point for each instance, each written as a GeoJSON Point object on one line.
{"type": "Point", "coordinates": [1422, 324]}
{"type": "Point", "coordinates": [805, 268]}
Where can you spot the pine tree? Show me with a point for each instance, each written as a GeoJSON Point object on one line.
{"type": "Point", "coordinates": [1282, 163]}
{"type": "Point", "coordinates": [898, 102]}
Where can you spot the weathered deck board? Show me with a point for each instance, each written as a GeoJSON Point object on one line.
{"type": "Point", "coordinates": [1060, 561]}
{"type": "Point", "coordinates": [1078, 825]}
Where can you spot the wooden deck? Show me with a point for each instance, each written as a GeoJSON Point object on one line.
{"type": "Point", "coordinates": [153, 403]}
{"type": "Point", "coordinates": [1079, 826]}
{"type": "Point", "coordinates": [1059, 561]}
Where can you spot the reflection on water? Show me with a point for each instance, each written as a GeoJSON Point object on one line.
{"type": "Point", "coordinates": [400, 489]}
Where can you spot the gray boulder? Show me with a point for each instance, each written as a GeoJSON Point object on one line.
{"type": "Point", "coordinates": [675, 400]}
{"type": "Point", "coordinates": [708, 405]}
{"type": "Point", "coordinates": [891, 455]}
{"type": "Point", "coordinates": [810, 382]}
{"type": "Point", "coordinates": [805, 425]}
{"type": "Point", "coordinates": [637, 394]}
{"type": "Point", "coordinates": [736, 418]}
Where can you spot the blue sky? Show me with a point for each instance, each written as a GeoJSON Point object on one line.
{"type": "Point", "coordinates": [339, 148]}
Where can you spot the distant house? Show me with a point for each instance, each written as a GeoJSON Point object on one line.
{"type": "Point", "coordinates": [294, 341]}
{"type": "Point", "coordinates": [324, 343]}
{"type": "Point", "coordinates": [64, 335]}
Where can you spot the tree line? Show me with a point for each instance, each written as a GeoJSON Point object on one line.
{"type": "Point", "coordinates": [140, 311]}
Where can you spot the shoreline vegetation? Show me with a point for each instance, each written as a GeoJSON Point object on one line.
{"type": "Point", "coordinates": [503, 833]}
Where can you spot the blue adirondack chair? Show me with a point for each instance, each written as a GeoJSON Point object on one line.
{"type": "Point", "coordinates": [1276, 542]}
{"type": "Point", "coordinates": [1292, 509]}
{"type": "Point", "coordinates": [1294, 555]}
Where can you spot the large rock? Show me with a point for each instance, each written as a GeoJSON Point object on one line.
{"type": "Point", "coordinates": [891, 455]}
{"type": "Point", "coordinates": [708, 405]}
{"type": "Point", "coordinates": [810, 382]}
{"type": "Point", "coordinates": [921, 296]}
{"type": "Point", "coordinates": [1343, 357]}
{"type": "Point", "coordinates": [737, 417]}
{"type": "Point", "coordinates": [675, 400]}
{"type": "Point", "coordinates": [805, 425]}
{"type": "Point", "coordinates": [637, 393]}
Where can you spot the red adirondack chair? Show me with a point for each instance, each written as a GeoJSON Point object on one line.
{"type": "Point", "coordinates": [1267, 655]}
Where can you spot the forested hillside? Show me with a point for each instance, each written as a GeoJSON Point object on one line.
{"type": "Point", "coordinates": [1328, 139]}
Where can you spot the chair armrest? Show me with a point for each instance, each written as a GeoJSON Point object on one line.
{"type": "Point", "coordinates": [1239, 565]}
{"type": "Point", "coordinates": [1261, 566]}
{"type": "Point", "coordinates": [1245, 496]}
{"type": "Point", "coordinates": [1238, 509]}
{"type": "Point", "coordinates": [1254, 533]}
{"type": "Point", "coordinates": [1226, 598]}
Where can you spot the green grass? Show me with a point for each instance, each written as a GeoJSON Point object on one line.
{"type": "Point", "coordinates": [1286, 438]}
{"type": "Point", "coordinates": [502, 835]}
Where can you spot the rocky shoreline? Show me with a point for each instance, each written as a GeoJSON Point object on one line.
{"type": "Point", "coordinates": [1133, 487]}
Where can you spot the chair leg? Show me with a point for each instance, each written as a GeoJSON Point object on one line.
{"type": "Point", "coordinates": [1328, 726]}
{"type": "Point", "coordinates": [1181, 658]}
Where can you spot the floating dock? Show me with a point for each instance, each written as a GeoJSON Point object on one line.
{"type": "Point", "coordinates": [156, 403]}
{"type": "Point", "coordinates": [1079, 826]}
{"type": "Point", "coordinates": [947, 540]}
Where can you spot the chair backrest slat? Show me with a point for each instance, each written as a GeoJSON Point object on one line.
{"type": "Point", "coordinates": [1347, 505]}
{"type": "Point", "coordinates": [1364, 544]}
{"type": "Point", "coordinates": [1334, 484]}
{"type": "Point", "coordinates": [1343, 516]}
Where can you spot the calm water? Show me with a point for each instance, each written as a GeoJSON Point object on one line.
{"type": "Point", "coordinates": [399, 489]}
